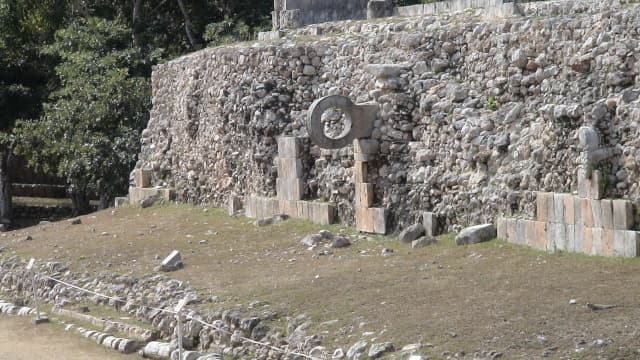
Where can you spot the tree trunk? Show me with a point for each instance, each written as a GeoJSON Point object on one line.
{"type": "Point", "coordinates": [80, 202]}
{"type": "Point", "coordinates": [136, 21]}
{"type": "Point", "coordinates": [105, 201]}
{"type": "Point", "coordinates": [6, 204]}
{"type": "Point", "coordinates": [187, 25]}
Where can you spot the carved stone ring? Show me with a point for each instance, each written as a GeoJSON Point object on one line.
{"type": "Point", "coordinates": [362, 117]}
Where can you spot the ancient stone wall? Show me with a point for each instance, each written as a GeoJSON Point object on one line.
{"type": "Point", "coordinates": [296, 13]}
{"type": "Point", "coordinates": [484, 113]}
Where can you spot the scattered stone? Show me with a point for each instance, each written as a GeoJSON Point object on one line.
{"type": "Point", "coordinates": [25, 238]}
{"type": "Point", "coordinates": [148, 202]}
{"type": "Point", "coordinates": [357, 349]}
{"type": "Point", "coordinates": [378, 350]}
{"type": "Point", "coordinates": [386, 252]}
{"type": "Point", "coordinates": [338, 354]}
{"type": "Point", "coordinates": [172, 262]}
{"type": "Point", "coordinates": [422, 242]}
{"type": "Point", "coordinates": [340, 242]}
{"type": "Point", "coordinates": [476, 234]}
{"type": "Point", "coordinates": [75, 221]}
{"type": "Point", "coordinates": [326, 234]}
{"type": "Point", "coordinates": [411, 233]}
{"type": "Point", "coordinates": [600, 306]}
{"type": "Point", "coordinates": [311, 240]}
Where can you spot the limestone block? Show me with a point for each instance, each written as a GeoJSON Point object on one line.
{"type": "Point", "coordinates": [364, 195]}
{"type": "Point", "coordinates": [597, 246]}
{"type": "Point", "coordinates": [432, 223]}
{"type": "Point", "coordinates": [289, 168]}
{"type": "Point", "coordinates": [587, 240]}
{"type": "Point", "coordinates": [529, 232]}
{"type": "Point", "coordinates": [136, 194]}
{"type": "Point", "coordinates": [583, 187]}
{"type": "Point", "coordinates": [363, 157]}
{"type": "Point", "coordinates": [234, 204]}
{"type": "Point", "coordinates": [622, 215]}
{"type": "Point", "coordinates": [596, 213]}
{"type": "Point", "coordinates": [596, 188]}
{"type": "Point", "coordinates": [290, 189]}
{"type": "Point", "coordinates": [142, 178]}
{"type": "Point", "coordinates": [379, 218]}
{"type": "Point", "coordinates": [521, 234]}
{"type": "Point", "coordinates": [570, 238]}
{"type": "Point", "coordinates": [289, 147]}
{"type": "Point", "coordinates": [289, 207]}
{"type": "Point", "coordinates": [322, 213]}
{"type": "Point", "coordinates": [303, 209]}
{"type": "Point", "coordinates": [359, 172]}
{"type": "Point", "coordinates": [586, 212]}
{"type": "Point", "coordinates": [512, 230]}
{"type": "Point", "coordinates": [121, 201]}
{"type": "Point", "coordinates": [558, 208]}
{"type": "Point", "coordinates": [266, 207]}
{"type": "Point", "coordinates": [539, 242]}
{"type": "Point", "coordinates": [606, 211]}
{"type": "Point", "coordinates": [250, 210]}
{"type": "Point", "coordinates": [363, 221]}
{"type": "Point", "coordinates": [555, 237]}
{"type": "Point", "coordinates": [619, 242]}
{"type": "Point", "coordinates": [577, 211]}
{"type": "Point", "coordinates": [569, 214]}
{"type": "Point", "coordinates": [542, 201]}
{"type": "Point", "coordinates": [578, 239]}
{"type": "Point", "coordinates": [501, 226]}
{"type": "Point", "coordinates": [632, 244]}
{"type": "Point", "coordinates": [608, 243]}
{"type": "Point", "coordinates": [365, 146]}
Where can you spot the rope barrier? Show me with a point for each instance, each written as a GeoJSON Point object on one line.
{"type": "Point", "coordinates": [258, 343]}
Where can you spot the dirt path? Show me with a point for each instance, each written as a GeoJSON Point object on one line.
{"type": "Point", "coordinates": [21, 340]}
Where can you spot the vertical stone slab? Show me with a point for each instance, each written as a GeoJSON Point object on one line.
{"type": "Point", "coordinates": [364, 222]}
{"type": "Point", "coordinates": [512, 233]}
{"type": "Point", "coordinates": [578, 239]}
{"type": "Point", "coordinates": [558, 208]}
{"type": "Point", "coordinates": [432, 226]}
{"type": "Point", "coordinates": [289, 168]}
{"type": "Point", "coordinates": [530, 232]}
{"type": "Point", "coordinates": [322, 213]}
{"type": "Point", "coordinates": [596, 213]}
{"type": "Point", "coordinates": [365, 146]}
{"type": "Point", "coordinates": [289, 147]}
{"type": "Point", "coordinates": [540, 240]}
{"type": "Point", "coordinates": [359, 172]}
{"type": "Point", "coordinates": [234, 204]}
{"type": "Point", "coordinates": [289, 207]}
{"type": "Point", "coordinates": [142, 178]}
{"type": "Point", "coordinates": [586, 212]}
{"type": "Point", "coordinates": [379, 217]}
{"type": "Point", "coordinates": [250, 211]}
{"type": "Point", "coordinates": [541, 206]}
{"type": "Point", "coordinates": [587, 240]}
{"type": "Point", "coordinates": [608, 244]}
{"type": "Point", "coordinates": [570, 238]}
{"type": "Point", "coordinates": [606, 209]}
{"type": "Point", "coordinates": [290, 189]}
{"type": "Point", "coordinates": [303, 209]}
{"type": "Point", "coordinates": [577, 211]}
{"type": "Point", "coordinates": [632, 244]}
{"type": "Point", "coordinates": [501, 227]}
{"type": "Point", "coordinates": [619, 242]}
{"type": "Point", "coordinates": [583, 184]}
{"type": "Point", "coordinates": [569, 214]}
{"type": "Point", "coordinates": [622, 215]}
{"type": "Point", "coordinates": [521, 232]}
{"type": "Point", "coordinates": [555, 236]}
{"type": "Point", "coordinates": [596, 189]}
{"type": "Point", "coordinates": [364, 194]}
{"type": "Point", "coordinates": [597, 244]}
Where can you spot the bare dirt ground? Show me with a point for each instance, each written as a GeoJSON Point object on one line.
{"type": "Point", "coordinates": [21, 340]}
{"type": "Point", "coordinates": [488, 297]}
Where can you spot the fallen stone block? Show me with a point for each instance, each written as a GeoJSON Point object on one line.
{"type": "Point", "coordinates": [411, 233]}
{"type": "Point", "coordinates": [476, 234]}
{"type": "Point", "coordinates": [172, 262]}
{"type": "Point", "coordinates": [423, 241]}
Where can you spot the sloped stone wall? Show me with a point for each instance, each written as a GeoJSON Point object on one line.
{"type": "Point", "coordinates": [485, 114]}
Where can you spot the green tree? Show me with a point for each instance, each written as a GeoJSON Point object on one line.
{"type": "Point", "coordinates": [24, 73]}
{"type": "Point", "coordinates": [90, 128]}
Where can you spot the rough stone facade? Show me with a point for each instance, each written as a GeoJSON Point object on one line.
{"type": "Point", "coordinates": [484, 114]}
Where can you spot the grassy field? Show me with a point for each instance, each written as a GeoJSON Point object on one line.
{"type": "Point", "coordinates": [488, 297]}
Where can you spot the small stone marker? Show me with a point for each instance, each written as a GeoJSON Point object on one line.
{"type": "Point", "coordinates": [172, 262]}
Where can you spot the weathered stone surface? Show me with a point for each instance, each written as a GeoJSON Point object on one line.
{"type": "Point", "coordinates": [411, 233]}
{"type": "Point", "coordinates": [476, 234]}
{"type": "Point", "coordinates": [234, 204]}
{"type": "Point", "coordinates": [622, 215]}
{"type": "Point", "coordinates": [501, 228]}
{"type": "Point", "coordinates": [289, 147]}
{"type": "Point", "coordinates": [542, 202]}
{"type": "Point", "coordinates": [142, 178]}
{"type": "Point", "coordinates": [377, 350]}
{"type": "Point", "coordinates": [432, 223]}
{"type": "Point", "coordinates": [290, 168]}
{"type": "Point", "coordinates": [290, 188]}
{"type": "Point", "coordinates": [364, 195]}
{"type": "Point", "coordinates": [423, 241]}
{"type": "Point", "coordinates": [359, 172]}
{"type": "Point", "coordinates": [172, 262]}
{"type": "Point", "coordinates": [340, 242]}
{"type": "Point", "coordinates": [357, 349]}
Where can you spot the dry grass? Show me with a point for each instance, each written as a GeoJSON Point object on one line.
{"type": "Point", "coordinates": [491, 296]}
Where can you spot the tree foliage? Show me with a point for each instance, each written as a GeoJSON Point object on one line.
{"type": "Point", "coordinates": [89, 131]}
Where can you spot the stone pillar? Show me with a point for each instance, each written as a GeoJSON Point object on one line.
{"type": "Point", "coordinates": [289, 185]}
{"type": "Point", "coordinates": [368, 218]}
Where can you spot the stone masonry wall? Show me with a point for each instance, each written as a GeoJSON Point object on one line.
{"type": "Point", "coordinates": [485, 114]}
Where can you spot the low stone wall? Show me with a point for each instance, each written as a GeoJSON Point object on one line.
{"type": "Point", "coordinates": [492, 7]}
{"type": "Point", "coordinates": [479, 118]}
{"type": "Point", "coordinates": [50, 212]}
{"type": "Point", "coordinates": [297, 13]}
{"type": "Point", "coordinates": [39, 190]}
